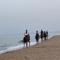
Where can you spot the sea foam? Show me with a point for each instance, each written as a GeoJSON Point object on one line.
{"type": "Point", "coordinates": [13, 48]}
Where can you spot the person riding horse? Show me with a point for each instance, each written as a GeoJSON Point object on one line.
{"type": "Point", "coordinates": [42, 35]}
{"type": "Point", "coordinates": [37, 36]}
{"type": "Point", "coordinates": [26, 39]}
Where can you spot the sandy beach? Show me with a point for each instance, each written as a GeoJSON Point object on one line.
{"type": "Point", "coordinates": [47, 50]}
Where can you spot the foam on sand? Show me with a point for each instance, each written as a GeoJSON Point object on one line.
{"type": "Point", "coordinates": [13, 48]}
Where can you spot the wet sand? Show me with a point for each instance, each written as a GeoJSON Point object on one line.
{"type": "Point", "coordinates": [47, 50]}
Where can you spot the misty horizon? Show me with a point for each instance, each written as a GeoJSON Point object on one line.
{"type": "Point", "coordinates": [17, 15]}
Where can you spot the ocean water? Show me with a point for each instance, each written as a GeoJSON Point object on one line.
{"type": "Point", "coordinates": [10, 42]}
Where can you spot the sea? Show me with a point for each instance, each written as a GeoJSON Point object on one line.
{"type": "Point", "coordinates": [11, 42]}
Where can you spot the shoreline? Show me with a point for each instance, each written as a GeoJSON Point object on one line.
{"type": "Point", "coordinates": [47, 50]}
{"type": "Point", "coordinates": [19, 47]}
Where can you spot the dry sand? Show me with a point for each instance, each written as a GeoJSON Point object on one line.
{"type": "Point", "coordinates": [47, 50]}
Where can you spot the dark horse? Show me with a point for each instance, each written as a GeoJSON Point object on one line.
{"type": "Point", "coordinates": [42, 35]}
{"type": "Point", "coordinates": [45, 35]}
{"type": "Point", "coordinates": [37, 36]}
{"type": "Point", "coordinates": [26, 39]}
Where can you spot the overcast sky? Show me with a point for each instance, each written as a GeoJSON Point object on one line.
{"type": "Point", "coordinates": [17, 15]}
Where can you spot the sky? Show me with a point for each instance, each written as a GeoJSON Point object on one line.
{"type": "Point", "coordinates": [18, 15]}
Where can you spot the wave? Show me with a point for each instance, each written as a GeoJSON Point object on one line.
{"type": "Point", "coordinates": [13, 48]}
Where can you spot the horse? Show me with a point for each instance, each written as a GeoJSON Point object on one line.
{"type": "Point", "coordinates": [37, 36]}
{"type": "Point", "coordinates": [42, 35]}
{"type": "Point", "coordinates": [26, 39]}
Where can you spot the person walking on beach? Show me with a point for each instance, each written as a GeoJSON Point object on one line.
{"type": "Point", "coordinates": [37, 36]}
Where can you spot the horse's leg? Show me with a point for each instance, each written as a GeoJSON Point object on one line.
{"type": "Point", "coordinates": [45, 38]}
{"type": "Point", "coordinates": [29, 43]}
{"type": "Point", "coordinates": [24, 45]}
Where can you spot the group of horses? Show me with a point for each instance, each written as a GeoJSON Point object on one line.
{"type": "Point", "coordinates": [43, 35]}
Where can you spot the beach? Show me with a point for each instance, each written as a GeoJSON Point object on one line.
{"type": "Point", "coordinates": [47, 50]}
